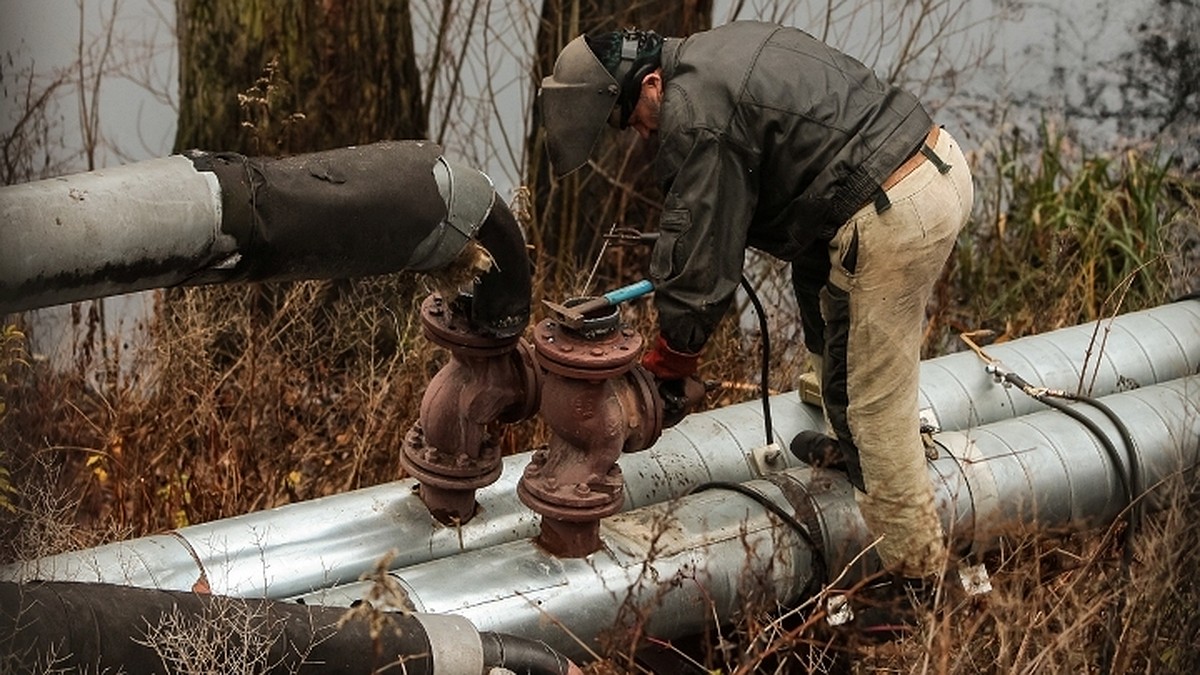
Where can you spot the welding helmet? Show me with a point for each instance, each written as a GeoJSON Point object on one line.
{"type": "Point", "coordinates": [582, 95]}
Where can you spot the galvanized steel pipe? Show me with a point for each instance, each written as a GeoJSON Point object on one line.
{"type": "Point", "coordinates": [301, 547]}
{"type": "Point", "coordinates": [682, 565]}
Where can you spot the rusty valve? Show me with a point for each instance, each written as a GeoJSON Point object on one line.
{"type": "Point", "coordinates": [452, 449]}
{"type": "Point", "coordinates": [597, 402]}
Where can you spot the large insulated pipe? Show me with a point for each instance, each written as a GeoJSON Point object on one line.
{"type": "Point", "coordinates": [65, 626]}
{"type": "Point", "coordinates": [675, 568]}
{"type": "Point", "coordinates": [222, 217]}
{"type": "Point", "coordinates": [301, 547]}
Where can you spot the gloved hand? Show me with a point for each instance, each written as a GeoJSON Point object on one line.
{"type": "Point", "coordinates": [667, 364]}
{"type": "Point", "coordinates": [679, 397]}
{"type": "Point", "coordinates": [673, 371]}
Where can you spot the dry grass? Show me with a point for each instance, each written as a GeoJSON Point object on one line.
{"type": "Point", "coordinates": [251, 397]}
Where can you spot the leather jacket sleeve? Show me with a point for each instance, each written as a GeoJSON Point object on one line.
{"type": "Point", "coordinates": [697, 263]}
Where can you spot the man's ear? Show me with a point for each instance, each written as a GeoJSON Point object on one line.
{"type": "Point", "coordinates": [652, 80]}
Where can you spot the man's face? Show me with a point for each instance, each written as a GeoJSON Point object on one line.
{"type": "Point", "coordinates": [644, 118]}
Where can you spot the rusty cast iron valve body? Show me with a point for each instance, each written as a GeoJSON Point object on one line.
{"type": "Point", "coordinates": [452, 448]}
{"type": "Point", "coordinates": [597, 402]}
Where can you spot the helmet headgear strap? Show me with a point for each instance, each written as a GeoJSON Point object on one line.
{"type": "Point", "coordinates": [629, 79]}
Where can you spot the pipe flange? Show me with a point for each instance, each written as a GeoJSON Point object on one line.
{"type": "Point", "coordinates": [530, 377]}
{"type": "Point", "coordinates": [451, 329]}
{"type": "Point", "coordinates": [596, 492]}
{"type": "Point", "coordinates": [578, 513]}
{"type": "Point", "coordinates": [647, 395]}
{"type": "Point", "coordinates": [446, 470]}
{"type": "Point", "coordinates": [567, 353]}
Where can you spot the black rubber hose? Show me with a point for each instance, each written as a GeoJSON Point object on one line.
{"type": "Point", "coordinates": [1086, 421]}
{"type": "Point", "coordinates": [820, 574]}
{"type": "Point", "coordinates": [521, 655]}
{"type": "Point", "coordinates": [766, 357]}
{"type": "Point", "coordinates": [1135, 519]}
{"type": "Point", "coordinates": [1131, 453]}
{"type": "Point", "coordinates": [1130, 482]}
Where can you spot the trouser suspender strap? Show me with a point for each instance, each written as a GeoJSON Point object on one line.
{"type": "Point", "coordinates": [942, 167]}
{"type": "Point", "coordinates": [882, 203]}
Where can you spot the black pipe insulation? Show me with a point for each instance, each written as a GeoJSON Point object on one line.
{"type": "Point", "coordinates": [346, 212]}
{"type": "Point", "coordinates": [503, 294]}
{"type": "Point", "coordinates": [522, 655]}
{"type": "Point", "coordinates": [83, 627]}
{"type": "Point", "coordinates": [369, 210]}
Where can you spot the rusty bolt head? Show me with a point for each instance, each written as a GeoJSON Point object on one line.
{"type": "Point", "coordinates": [582, 489]}
{"type": "Point", "coordinates": [596, 351]}
{"type": "Point", "coordinates": [567, 348]}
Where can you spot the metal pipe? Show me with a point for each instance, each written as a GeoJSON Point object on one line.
{"type": "Point", "coordinates": [298, 548]}
{"type": "Point", "coordinates": [679, 566]}
{"type": "Point", "coordinates": [1129, 351]}
{"type": "Point", "coordinates": [451, 449]}
{"type": "Point", "coordinates": [597, 402]}
{"type": "Point", "coordinates": [222, 217]}
{"type": "Point", "coordinates": [65, 626]}
{"type": "Point", "coordinates": [130, 228]}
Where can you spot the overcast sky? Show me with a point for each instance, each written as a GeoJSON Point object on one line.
{"type": "Point", "coordinates": [137, 119]}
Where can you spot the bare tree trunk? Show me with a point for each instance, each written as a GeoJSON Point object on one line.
{"type": "Point", "coordinates": [571, 215]}
{"type": "Point", "coordinates": [269, 78]}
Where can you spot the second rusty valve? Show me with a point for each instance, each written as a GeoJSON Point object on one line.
{"type": "Point", "coordinates": [597, 402]}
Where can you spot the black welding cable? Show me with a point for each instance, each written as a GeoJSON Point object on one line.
{"type": "Point", "coordinates": [1133, 519]}
{"type": "Point", "coordinates": [1111, 449]}
{"type": "Point", "coordinates": [819, 571]}
{"type": "Point", "coordinates": [1131, 453]}
{"type": "Point", "coordinates": [522, 656]}
{"type": "Point", "coordinates": [766, 358]}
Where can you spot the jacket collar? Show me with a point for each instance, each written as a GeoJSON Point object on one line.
{"type": "Point", "coordinates": [670, 56]}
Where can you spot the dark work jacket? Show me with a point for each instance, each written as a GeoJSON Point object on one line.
{"type": "Point", "coordinates": [771, 139]}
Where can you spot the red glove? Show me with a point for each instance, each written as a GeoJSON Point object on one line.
{"type": "Point", "coordinates": [667, 364]}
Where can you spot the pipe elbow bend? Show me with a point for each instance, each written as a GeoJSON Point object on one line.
{"type": "Point", "coordinates": [468, 195]}
{"type": "Point", "coordinates": [502, 294]}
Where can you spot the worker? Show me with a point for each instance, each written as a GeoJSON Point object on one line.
{"type": "Point", "coordinates": [768, 138]}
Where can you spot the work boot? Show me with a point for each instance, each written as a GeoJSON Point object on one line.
{"type": "Point", "coordinates": [893, 609]}
{"type": "Point", "coordinates": [823, 452]}
{"type": "Point", "coordinates": [816, 449]}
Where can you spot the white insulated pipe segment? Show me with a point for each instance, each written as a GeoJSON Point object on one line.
{"type": "Point", "coordinates": [107, 232]}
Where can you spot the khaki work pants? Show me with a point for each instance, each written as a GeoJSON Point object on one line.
{"type": "Point", "coordinates": [884, 266]}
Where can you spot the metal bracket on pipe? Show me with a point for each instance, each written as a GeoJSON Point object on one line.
{"type": "Point", "coordinates": [975, 579]}
{"type": "Point", "coordinates": [768, 459]}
